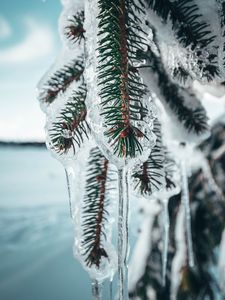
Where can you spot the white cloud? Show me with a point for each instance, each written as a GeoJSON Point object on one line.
{"type": "Point", "coordinates": [5, 29]}
{"type": "Point", "coordinates": [38, 43]}
{"type": "Point", "coordinates": [20, 115]}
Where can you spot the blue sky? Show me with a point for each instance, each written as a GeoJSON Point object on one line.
{"type": "Point", "coordinates": [29, 43]}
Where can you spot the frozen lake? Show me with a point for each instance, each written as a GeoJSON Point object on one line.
{"type": "Point", "coordinates": [36, 234]}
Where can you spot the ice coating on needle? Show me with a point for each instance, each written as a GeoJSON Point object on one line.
{"type": "Point", "coordinates": [102, 130]}
{"type": "Point", "coordinates": [176, 98]}
{"type": "Point", "coordinates": [97, 125]}
{"type": "Point", "coordinates": [149, 177]}
{"type": "Point", "coordinates": [188, 59]}
{"type": "Point", "coordinates": [69, 65]}
{"type": "Point", "coordinates": [67, 68]}
{"type": "Point", "coordinates": [67, 130]}
{"type": "Point", "coordinates": [71, 26]}
{"type": "Point", "coordinates": [96, 217]}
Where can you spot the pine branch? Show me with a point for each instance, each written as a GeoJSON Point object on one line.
{"type": "Point", "coordinates": [94, 208]}
{"type": "Point", "coordinates": [186, 20]}
{"type": "Point", "coordinates": [121, 88]}
{"type": "Point", "coordinates": [186, 107]}
{"type": "Point", "coordinates": [179, 70]}
{"type": "Point", "coordinates": [71, 126]}
{"type": "Point", "coordinates": [190, 31]}
{"type": "Point", "coordinates": [150, 175]}
{"type": "Point", "coordinates": [74, 31]}
{"type": "Point", "coordinates": [61, 79]}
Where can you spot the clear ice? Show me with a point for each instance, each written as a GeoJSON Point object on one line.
{"type": "Point", "coordinates": [96, 290]}
{"type": "Point", "coordinates": [69, 180]}
{"type": "Point", "coordinates": [186, 204]}
{"type": "Point", "coordinates": [166, 225]}
{"type": "Point", "coordinates": [123, 234]}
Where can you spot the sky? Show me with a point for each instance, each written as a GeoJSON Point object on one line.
{"type": "Point", "coordinates": [29, 44]}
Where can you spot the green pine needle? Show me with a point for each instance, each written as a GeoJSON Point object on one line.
{"type": "Point", "coordinates": [121, 88]}
{"type": "Point", "coordinates": [94, 213]}
{"type": "Point", "coordinates": [74, 31]}
{"type": "Point", "coordinates": [186, 20]}
{"type": "Point", "coordinates": [190, 30]}
{"type": "Point", "coordinates": [150, 175]}
{"type": "Point", "coordinates": [61, 79]}
{"type": "Point", "coordinates": [71, 126]}
{"type": "Point", "coordinates": [195, 119]}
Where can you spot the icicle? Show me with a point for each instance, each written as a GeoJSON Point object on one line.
{"type": "Point", "coordinates": [70, 182]}
{"type": "Point", "coordinates": [123, 234]}
{"type": "Point", "coordinates": [166, 224]}
{"type": "Point", "coordinates": [186, 204]}
{"type": "Point", "coordinates": [111, 288]}
{"type": "Point", "coordinates": [96, 290]}
{"type": "Point", "coordinates": [179, 259]}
